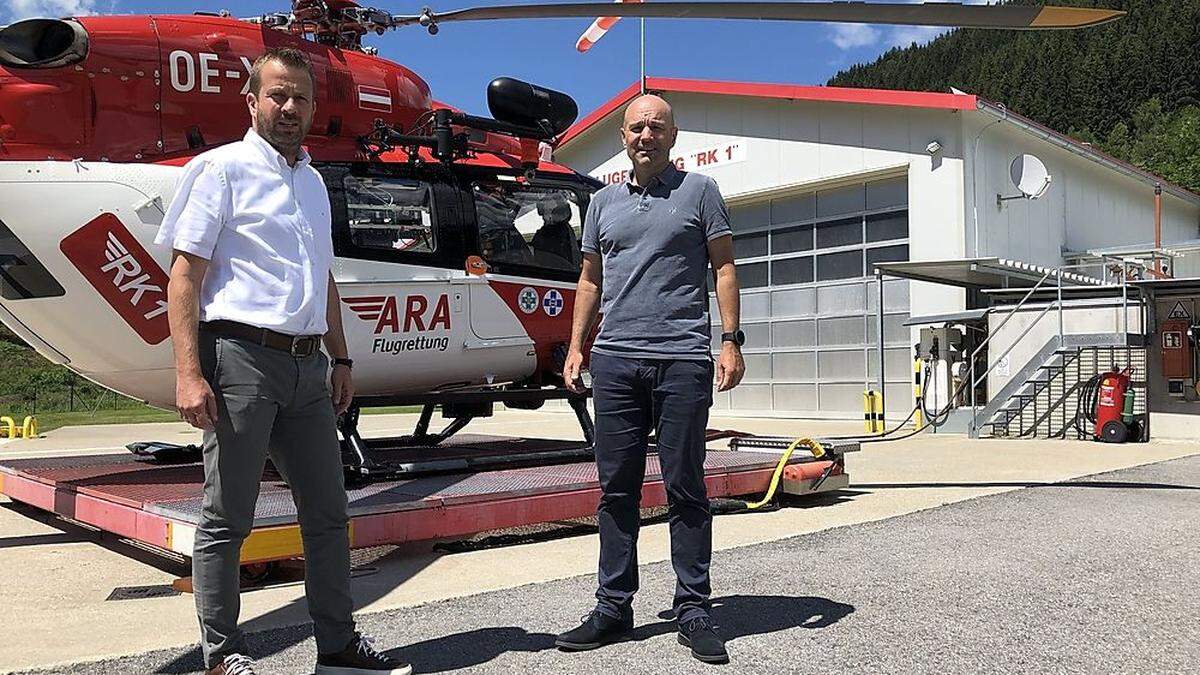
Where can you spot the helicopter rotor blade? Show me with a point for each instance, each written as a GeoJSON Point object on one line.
{"type": "Point", "coordinates": [1020, 17]}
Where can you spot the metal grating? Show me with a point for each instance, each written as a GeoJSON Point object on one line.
{"type": "Point", "coordinates": [388, 450]}
{"type": "Point", "coordinates": [496, 483]}
{"type": "Point", "coordinates": [1045, 406]}
{"type": "Point", "coordinates": [142, 592]}
{"type": "Point", "coordinates": [36, 465]}
{"type": "Point", "coordinates": [129, 481]}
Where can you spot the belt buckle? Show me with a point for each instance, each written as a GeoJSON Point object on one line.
{"type": "Point", "coordinates": [308, 344]}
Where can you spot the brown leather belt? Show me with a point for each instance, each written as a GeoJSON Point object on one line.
{"type": "Point", "coordinates": [296, 345]}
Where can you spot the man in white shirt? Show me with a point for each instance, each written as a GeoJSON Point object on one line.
{"type": "Point", "coordinates": [250, 298]}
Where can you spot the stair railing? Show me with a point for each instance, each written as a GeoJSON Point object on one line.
{"type": "Point", "coordinates": [974, 381]}
{"type": "Point", "coordinates": [1058, 304]}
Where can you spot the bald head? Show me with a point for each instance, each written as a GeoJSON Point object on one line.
{"type": "Point", "coordinates": [649, 106]}
{"type": "Point", "coordinates": [648, 133]}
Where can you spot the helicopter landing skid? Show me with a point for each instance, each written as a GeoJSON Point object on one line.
{"type": "Point", "coordinates": [423, 452]}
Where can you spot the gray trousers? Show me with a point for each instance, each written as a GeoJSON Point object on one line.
{"type": "Point", "coordinates": [269, 401]}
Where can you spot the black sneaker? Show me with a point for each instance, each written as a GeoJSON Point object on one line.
{"type": "Point", "coordinates": [701, 636]}
{"type": "Point", "coordinates": [597, 630]}
{"type": "Point", "coordinates": [360, 658]}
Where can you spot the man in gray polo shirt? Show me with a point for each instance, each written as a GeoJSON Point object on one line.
{"type": "Point", "coordinates": [647, 247]}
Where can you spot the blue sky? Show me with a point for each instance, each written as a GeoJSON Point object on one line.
{"type": "Point", "coordinates": [460, 61]}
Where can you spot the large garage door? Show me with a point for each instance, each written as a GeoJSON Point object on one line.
{"type": "Point", "coordinates": [806, 267]}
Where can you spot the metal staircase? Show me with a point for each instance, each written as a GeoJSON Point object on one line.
{"type": "Point", "coordinates": [1042, 402]}
{"type": "Point", "coordinates": [1041, 399]}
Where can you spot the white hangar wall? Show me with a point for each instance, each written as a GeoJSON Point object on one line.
{"type": "Point", "coordinates": [1088, 205]}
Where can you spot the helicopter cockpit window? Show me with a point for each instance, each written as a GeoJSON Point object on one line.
{"type": "Point", "coordinates": [390, 214]}
{"type": "Point", "coordinates": [528, 225]}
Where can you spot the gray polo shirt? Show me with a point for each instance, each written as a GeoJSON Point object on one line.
{"type": "Point", "coordinates": [654, 247]}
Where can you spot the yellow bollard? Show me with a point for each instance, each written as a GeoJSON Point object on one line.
{"type": "Point", "coordinates": [871, 414]}
{"type": "Point", "coordinates": [8, 427]}
{"type": "Point", "coordinates": [29, 427]}
{"type": "Point", "coordinates": [918, 417]}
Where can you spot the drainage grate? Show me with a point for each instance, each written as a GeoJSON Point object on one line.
{"type": "Point", "coordinates": [369, 555]}
{"type": "Point", "coordinates": [142, 592]}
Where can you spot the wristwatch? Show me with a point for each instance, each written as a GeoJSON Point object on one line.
{"type": "Point", "coordinates": [737, 337]}
{"type": "Point", "coordinates": [349, 363]}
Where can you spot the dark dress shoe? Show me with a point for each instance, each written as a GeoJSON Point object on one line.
{"type": "Point", "coordinates": [597, 630]}
{"type": "Point", "coordinates": [701, 636]}
{"type": "Point", "coordinates": [361, 658]}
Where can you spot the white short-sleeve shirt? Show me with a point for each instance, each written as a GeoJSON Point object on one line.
{"type": "Point", "coordinates": [264, 227]}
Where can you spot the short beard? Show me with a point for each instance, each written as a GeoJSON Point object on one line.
{"type": "Point", "coordinates": [284, 145]}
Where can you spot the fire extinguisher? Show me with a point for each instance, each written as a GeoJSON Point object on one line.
{"type": "Point", "coordinates": [1113, 415]}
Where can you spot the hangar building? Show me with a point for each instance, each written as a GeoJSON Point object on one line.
{"type": "Point", "coordinates": [823, 183]}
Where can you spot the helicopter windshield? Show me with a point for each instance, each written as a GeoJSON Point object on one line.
{"type": "Point", "coordinates": [529, 226]}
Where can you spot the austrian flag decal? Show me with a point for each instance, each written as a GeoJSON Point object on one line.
{"type": "Point", "coordinates": [374, 98]}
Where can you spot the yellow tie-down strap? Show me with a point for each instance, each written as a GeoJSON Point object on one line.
{"type": "Point", "coordinates": [814, 447]}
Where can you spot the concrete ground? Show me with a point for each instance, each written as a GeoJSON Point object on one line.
{"type": "Point", "coordinates": [1062, 579]}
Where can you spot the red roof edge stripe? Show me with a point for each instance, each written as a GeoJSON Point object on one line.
{"type": "Point", "coordinates": [889, 97]}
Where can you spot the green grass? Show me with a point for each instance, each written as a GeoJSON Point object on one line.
{"type": "Point", "coordinates": [392, 410]}
{"type": "Point", "coordinates": [54, 420]}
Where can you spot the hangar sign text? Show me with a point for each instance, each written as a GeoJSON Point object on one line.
{"type": "Point", "coordinates": [691, 160]}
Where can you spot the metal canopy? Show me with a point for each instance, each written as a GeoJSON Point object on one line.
{"type": "Point", "coordinates": [952, 317]}
{"type": "Point", "coordinates": [1166, 287]}
{"type": "Point", "coordinates": [981, 273]}
{"type": "Point", "coordinates": [1049, 292]}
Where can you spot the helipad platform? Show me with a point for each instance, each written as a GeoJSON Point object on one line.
{"type": "Point", "coordinates": [159, 504]}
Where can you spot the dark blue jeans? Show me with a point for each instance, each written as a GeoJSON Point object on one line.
{"type": "Point", "coordinates": [631, 397]}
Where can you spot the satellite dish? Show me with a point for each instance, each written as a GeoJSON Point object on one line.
{"type": "Point", "coordinates": [1028, 175]}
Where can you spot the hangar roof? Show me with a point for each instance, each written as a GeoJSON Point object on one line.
{"type": "Point", "coordinates": [795, 92]}
{"type": "Point", "coordinates": [879, 97]}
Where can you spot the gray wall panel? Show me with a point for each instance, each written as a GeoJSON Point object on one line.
{"type": "Point", "coordinates": [797, 333]}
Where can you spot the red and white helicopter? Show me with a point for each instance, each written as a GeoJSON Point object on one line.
{"type": "Point", "coordinates": [456, 239]}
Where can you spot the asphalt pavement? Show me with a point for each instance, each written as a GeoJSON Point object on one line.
{"type": "Point", "coordinates": [1095, 575]}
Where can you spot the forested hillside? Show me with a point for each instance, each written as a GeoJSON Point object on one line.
{"type": "Point", "coordinates": [1131, 87]}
